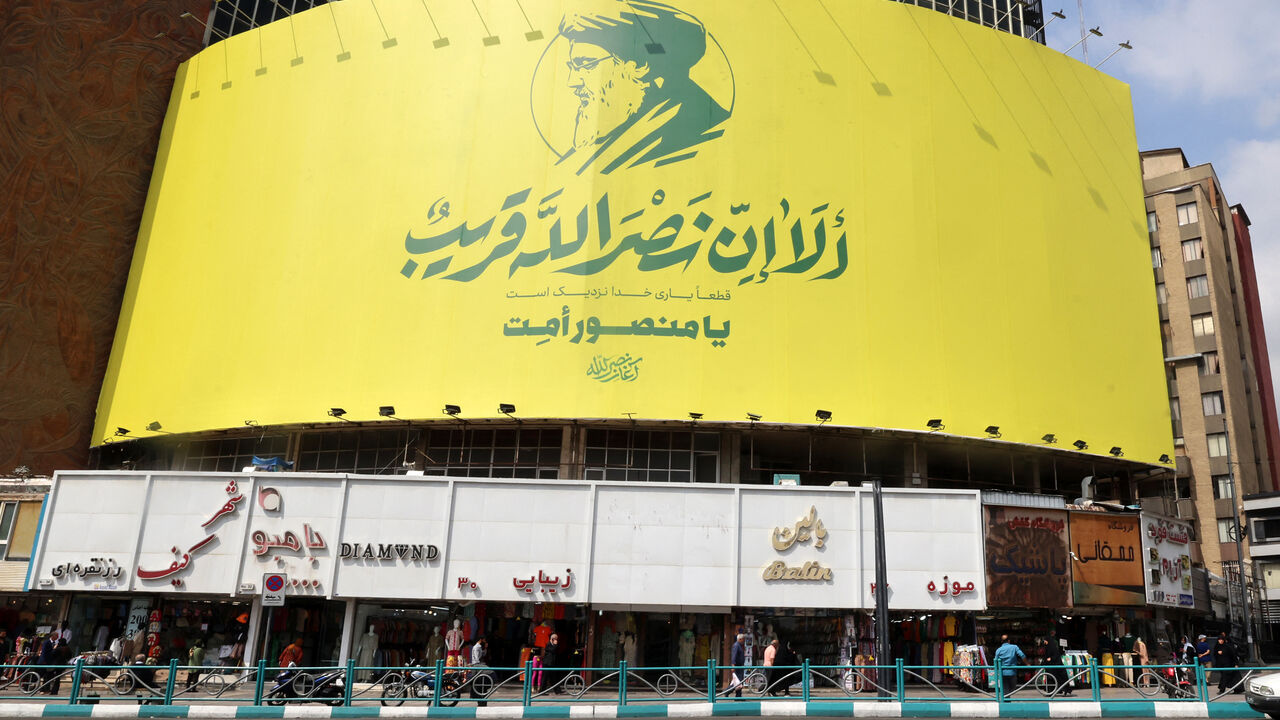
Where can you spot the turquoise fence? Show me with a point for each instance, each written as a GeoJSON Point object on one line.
{"type": "Point", "coordinates": [623, 685]}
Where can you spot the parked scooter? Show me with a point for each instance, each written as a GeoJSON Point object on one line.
{"type": "Point", "coordinates": [416, 682]}
{"type": "Point", "coordinates": [293, 684]}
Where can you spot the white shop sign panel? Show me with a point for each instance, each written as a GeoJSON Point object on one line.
{"type": "Point", "coordinates": [1166, 558]}
{"type": "Point", "coordinates": [611, 544]}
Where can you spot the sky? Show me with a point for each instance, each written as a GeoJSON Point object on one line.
{"type": "Point", "coordinates": [1205, 77]}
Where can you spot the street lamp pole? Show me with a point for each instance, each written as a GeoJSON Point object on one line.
{"type": "Point", "coordinates": [1239, 533]}
{"type": "Point", "coordinates": [881, 593]}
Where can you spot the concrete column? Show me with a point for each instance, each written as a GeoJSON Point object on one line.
{"type": "Point", "coordinates": [348, 631]}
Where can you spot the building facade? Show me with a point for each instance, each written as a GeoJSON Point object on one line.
{"type": "Point", "coordinates": [1219, 387]}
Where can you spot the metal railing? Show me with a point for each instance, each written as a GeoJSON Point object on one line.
{"type": "Point", "coordinates": [349, 685]}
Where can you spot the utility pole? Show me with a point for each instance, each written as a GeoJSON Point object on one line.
{"type": "Point", "coordinates": [1239, 533]}
{"type": "Point", "coordinates": [881, 594]}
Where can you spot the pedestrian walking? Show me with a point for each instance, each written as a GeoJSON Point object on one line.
{"type": "Point", "coordinates": [738, 661]}
{"type": "Point", "coordinates": [1225, 657]}
{"type": "Point", "coordinates": [554, 660]}
{"type": "Point", "coordinates": [1008, 655]}
{"type": "Point", "coordinates": [195, 659]}
{"type": "Point", "coordinates": [770, 657]}
{"type": "Point", "coordinates": [1204, 651]}
{"type": "Point", "coordinates": [61, 656]}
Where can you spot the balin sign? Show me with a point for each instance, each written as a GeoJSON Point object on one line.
{"type": "Point", "coordinates": [388, 551]}
{"type": "Point", "coordinates": [806, 529]}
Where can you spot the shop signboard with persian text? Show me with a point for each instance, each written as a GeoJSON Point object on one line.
{"type": "Point", "coordinates": [1106, 559]}
{"type": "Point", "coordinates": [587, 208]}
{"type": "Point", "coordinates": [1166, 557]}
{"type": "Point", "coordinates": [1028, 559]}
{"type": "Point", "coordinates": [611, 544]}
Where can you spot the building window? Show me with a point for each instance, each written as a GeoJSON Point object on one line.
{"type": "Point", "coordinates": [1224, 530]}
{"type": "Point", "coordinates": [372, 452]}
{"type": "Point", "coordinates": [1212, 402]}
{"type": "Point", "coordinates": [1157, 258]}
{"type": "Point", "coordinates": [1217, 444]}
{"type": "Point", "coordinates": [1187, 214]}
{"type": "Point", "coordinates": [652, 455]}
{"type": "Point", "coordinates": [1222, 487]}
{"type": "Point", "coordinates": [1209, 363]}
{"type": "Point", "coordinates": [1182, 487]}
{"type": "Point", "coordinates": [1151, 221]}
{"type": "Point", "coordinates": [1192, 250]}
{"type": "Point", "coordinates": [1162, 293]}
{"type": "Point", "coordinates": [7, 512]}
{"type": "Point", "coordinates": [1266, 529]}
{"type": "Point", "coordinates": [232, 454]}
{"type": "Point", "coordinates": [1175, 409]}
{"type": "Point", "coordinates": [1197, 286]}
{"type": "Point", "coordinates": [522, 452]}
{"type": "Point", "coordinates": [1202, 325]}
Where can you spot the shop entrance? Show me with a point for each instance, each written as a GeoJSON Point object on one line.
{"type": "Point", "coordinates": [318, 623]}
{"type": "Point", "coordinates": [161, 628]}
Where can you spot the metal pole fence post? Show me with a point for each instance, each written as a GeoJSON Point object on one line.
{"type": "Point", "coordinates": [75, 682]}
{"type": "Point", "coordinates": [259, 681]}
{"type": "Point", "coordinates": [439, 684]}
{"type": "Point", "coordinates": [622, 682]}
{"type": "Point", "coordinates": [348, 682]}
{"type": "Point", "coordinates": [1202, 682]}
{"type": "Point", "coordinates": [711, 680]}
{"type": "Point", "coordinates": [171, 681]}
{"type": "Point", "coordinates": [804, 678]}
{"type": "Point", "coordinates": [527, 695]}
{"type": "Point", "coordinates": [882, 584]}
{"type": "Point", "coordinates": [899, 679]}
{"type": "Point", "coordinates": [999, 678]}
{"type": "Point", "coordinates": [1094, 683]}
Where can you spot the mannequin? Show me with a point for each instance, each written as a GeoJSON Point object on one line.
{"type": "Point", "coordinates": [435, 646]}
{"type": "Point", "coordinates": [364, 651]}
{"type": "Point", "coordinates": [608, 646]}
{"type": "Point", "coordinates": [685, 652]}
{"type": "Point", "coordinates": [629, 647]}
{"type": "Point", "coordinates": [453, 639]}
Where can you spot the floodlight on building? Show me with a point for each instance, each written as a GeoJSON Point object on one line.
{"type": "Point", "coordinates": [452, 410]}
{"type": "Point", "coordinates": [121, 432]}
{"type": "Point", "coordinates": [1116, 451]}
{"type": "Point", "coordinates": [1122, 46]}
{"type": "Point", "coordinates": [387, 411]}
{"type": "Point", "coordinates": [753, 417]}
{"type": "Point", "coordinates": [251, 423]}
{"type": "Point", "coordinates": [1166, 459]}
{"type": "Point", "coordinates": [822, 415]}
{"type": "Point", "coordinates": [695, 416]}
{"type": "Point", "coordinates": [506, 409]}
{"type": "Point", "coordinates": [1092, 31]}
{"type": "Point", "coordinates": [338, 413]}
{"type": "Point", "coordinates": [1081, 445]}
{"type": "Point", "coordinates": [208, 29]}
{"type": "Point", "coordinates": [993, 431]}
{"type": "Point", "coordinates": [1049, 438]}
{"type": "Point", "coordinates": [935, 424]}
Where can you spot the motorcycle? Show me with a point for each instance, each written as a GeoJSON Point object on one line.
{"type": "Point", "coordinates": [1177, 682]}
{"type": "Point", "coordinates": [416, 682]}
{"type": "Point", "coordinates": [293, 684]}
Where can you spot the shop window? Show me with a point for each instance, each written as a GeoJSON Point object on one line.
{"type": "Point", "coordinates": [1192, 250]}
{"type": "Point", "coordinates": [1222, 487]}
{"type": "Point", "coordinates": [1188, 214]}
{"type": "Point", "coordinates": [1217, 444]}
{"type": "Point", "coordinates": [1212, 402]}
{"type": "Point", "coordinates": [1202, 325]}
{"type": "Point", "coordinates": [1198, 286]}
{"type": "Point", "coordinates": [1209, 363]}
{"type": "Point", "coordinates": [370, 452]}
{"type": "Point", "coordinates": [652, 455]}
{"type": "Point", "coordinates": [231, 454]}
{"type": "Point", "coordinates": [519, 452]}
{"type": "Point", "coordinates": [1157, 258]}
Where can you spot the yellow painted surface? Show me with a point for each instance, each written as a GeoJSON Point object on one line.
{"type": "Point", "coordinates": [984, 190]}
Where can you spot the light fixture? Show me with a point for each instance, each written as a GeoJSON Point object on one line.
{"type": "Point", "coordinates": [1081, 445]}
{"type": "Point", "coordinates": [1095, 31]}
{"type": "Point", "coordinates": [506, 409]}
{"type": "Point", "coordinates": [695, 416]}
{"type": "Point", "coordinates": [823, 415]}
{"type": "Point", "coordinates": [121, 432]}
{"type": "Point", "coordinates": [1116, 451]}
{"type": "Point", "coordinates": [935, 424]}
{"type": "Point", "coordinates": [153, 426]}
{"type": "Point", "coordinates": [993, 431]}
{"type": "Point", "coordinates": [386, 411]}
{"type": "Point", "coordinates": [452, 410]}
{"type": "Point", "coordinates": [337, 412]}
{"type": "Point", "coordinates": [206, 27]}
{"type": "Point", "coordinates": [1166, 459]}
{"type": "Point", "coordinates": [1050, 438]}
{"type": "Point", "coordinates": [1122, 46]}
{"type": "Point", "coordinates": [251, 423]}
{"type": "Point", "coordinates": [753, 417]}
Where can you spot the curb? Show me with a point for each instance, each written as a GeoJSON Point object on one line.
{"type": "Point", "coordinates": [835, 709]}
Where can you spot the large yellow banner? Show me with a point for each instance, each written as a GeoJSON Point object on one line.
{"type": "Point", "coordinates": [591, 208]}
